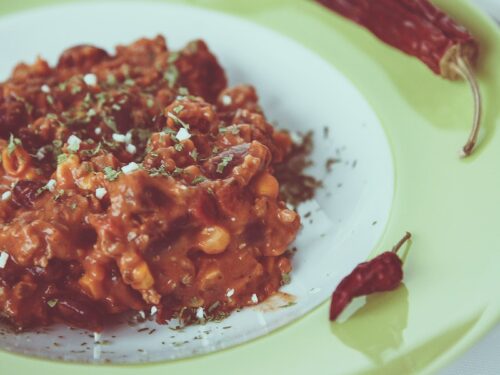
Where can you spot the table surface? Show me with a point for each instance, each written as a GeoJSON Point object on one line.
{"type": "Point", "coordinates": [482, 358]}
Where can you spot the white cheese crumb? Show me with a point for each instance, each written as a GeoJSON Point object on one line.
{"type": "Point", "coordinates": [200, 313]}
{"type": "Point", "coordinates": [51, 185]}
{"type": "Point", "coordinates": [4, 257]}
{"type": "Point", "coordinates": [40, 154]}
{"type": "Point", "coordinates": [74, 143]}
{"type": "Point", "coordinates": [100, 192]}
{"type": "Point", "coordinates": [154, 310]}
{"type": "Point", "coordinates": [131, 149]}
{"type": "Point", "coordinates": [295, 137]}
{"type": "Point", "coordinates": [91, 112]}
{"type": "Point", "coordinates": [98, 131]}
{"type": "Point", "coordinates": [131, 236]}
{"type": "Point", "coordinates": [90, 79]}
{"type": "Point", "coordinates": [97, 351]}
{"type": "Point", "coordinates": [120, 138]}
{"type": "Point", "coordinates": [130, 167]}
{"type": "Point", "coordinates": [183, 134]}
{"type": "Point", "coordinates": [97, 336]}
{"type": "Point", "coordinates": [226, 100]}
{"type": "Point", "coordinates": [142, 314]}
{"type": "Point", "coordinates": [128, 137]}
{"type": "Point", "coordinates": [230, 292]}
{"type": "Point", "coordinates": [45, 89]}
{"type": "Point", "coordinates": [6, 195]}
{"type": "Point", "coordinates": [254, 298]}
{"type": "Point", "coordinates": [261, 319]}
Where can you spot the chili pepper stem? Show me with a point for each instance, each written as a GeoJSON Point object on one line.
{"type": "Point", "coordinates": [463, 68]}
{"type": "Point", "coordinates": [401, 242]}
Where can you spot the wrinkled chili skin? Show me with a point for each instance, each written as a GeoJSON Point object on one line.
{"type": "Point", "coordinates": [381, 274]}
{"type": "Point", "coordinates": [415, 27]}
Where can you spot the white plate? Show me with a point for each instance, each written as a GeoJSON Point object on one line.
{"type": "Point", "coordinates": [299, 91]}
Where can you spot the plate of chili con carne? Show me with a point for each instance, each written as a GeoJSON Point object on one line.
{"type": "Point", "coordinates": [145, 216]}
{"type": "Point", "coordinates": [382, 129]}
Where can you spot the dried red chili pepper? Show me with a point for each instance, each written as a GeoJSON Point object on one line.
{"type": "Point", "coordinates": [419, 29]}
{"type": "Point", "coordinates": [381, 274]}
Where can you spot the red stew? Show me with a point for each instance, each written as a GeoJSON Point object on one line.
{"type": "Point", "coordinates": [136, 180]}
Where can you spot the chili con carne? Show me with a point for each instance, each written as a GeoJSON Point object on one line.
{"type": "Point", "coordinates": [136, 181]}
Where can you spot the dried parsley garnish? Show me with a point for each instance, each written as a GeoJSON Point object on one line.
{"type": "Point", "coordinates": [172, 57]}
{"type": "Point", "coordinates": [198, 179]}
{"type": "Point", "coordinates": [177, 109]}
{"type": "Point", "coordinates": [224, 163]}
{"type": "Point", "coordinates": [177, 171]}
{"type": "Point", "coordinates": [183, 91]}
{"type": "Point", "coordinates": [177, 120]}
{"type": "Point", "coordinates": [169, 131]}
{"type": "Point", "coordinates": [285, 278]}
{"type": "Point", "coordinates": [194, 154]}
{"type": "Point", "coordinates": [110, 174]}
{"type": "Point", "coordinates": [13, 144]}
{"type": "Point", "coordinates": [153, 172]}
{"type": "Point", "coordinates": [171, 75]}
{"type": "Point", "coordinates": [111, 79]}
{"type": "Point", "coordinates": [110, 123]}
{"type": "Point", "coordinates": [233, 129]}
{"type": "Point", "coordinates": [61, 158]}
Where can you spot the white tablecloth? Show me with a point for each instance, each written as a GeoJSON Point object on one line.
{"type": "Point", "coordinates": [484, 357]}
